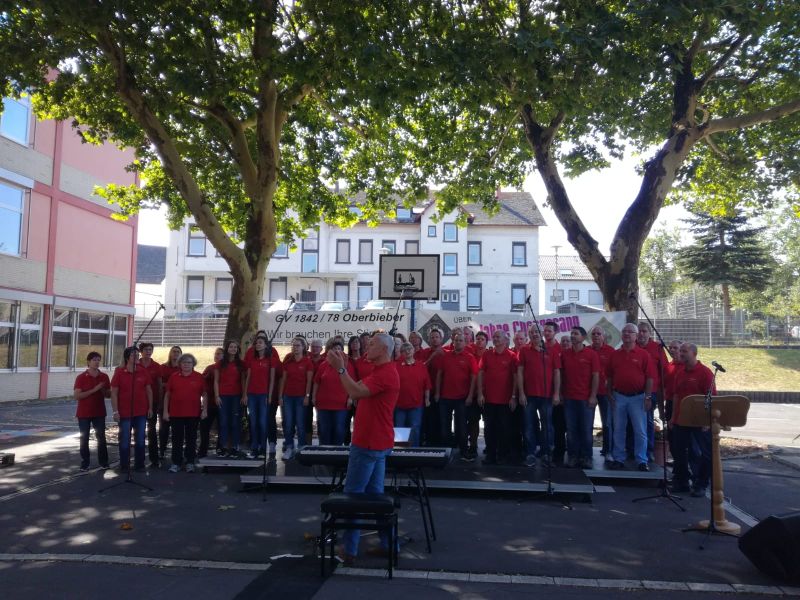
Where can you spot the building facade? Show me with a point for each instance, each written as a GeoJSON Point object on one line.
{"type": "Point", "coordinates": [567, 281]}
{"type": "Point", "coordinates": [66, 268]}
{"type": "Point", "coordinates": [490, 265]}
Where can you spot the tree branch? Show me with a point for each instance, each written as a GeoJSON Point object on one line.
{"type": "Point", "coordinates": [756, 118]}
{"type": "Point", "coordinates": [339, 117]}
{"type": "Point", "coordinates": [722, 60]}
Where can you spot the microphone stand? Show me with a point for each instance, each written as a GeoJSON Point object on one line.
{"type": "Point", "coordinates": [129, 478]}
{"type": "Point", "coordinates": [549, 493]}
{"type": "Point", "coordinates": [393, 330]}
{"type": "Point", "coordinates": [665, 491]}
{"type": "Point", "coordinates": [268, 352]}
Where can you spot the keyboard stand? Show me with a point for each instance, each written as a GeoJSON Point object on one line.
{"type": "Point", "coordinates": [420, 494]}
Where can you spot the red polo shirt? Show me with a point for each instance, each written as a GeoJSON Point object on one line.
{"type": "Point", "coordinates": [576, 372]}
{"type": "Point", "coordinates": [533, 371]}
{"type": "Point", "coordinates": [457, 370]}
{"type": "Point", "coordinates": [185, 394]}
{"type": "Point", "coordinates": [669, 378]}
{"type": "Point", "coordinates": [331, 394]}
{"type": "Point", "coordinates": [414, 382]}
{"type": "Point", "coordinates": [499, 369]}
{"type": "Point", "coordinates": [374, 420]}
{"type": "Point", "coordinates": [259, 368]}
{"type": "Point", "coordinates": [93, 405]}
{"type": "Point", "coordinates": [208, 377]}
{"type": "Point", "coordinates": [296, 375]}
{"type": "Point", "coordinates": [422, 354]}
{"type": "Point", "coordinates": [604, 353]}
{"type": "Point", "coordinates": [630, 370]}
{"type": "Point", "coordinates": [691, 381]}
{"type": "Point", "coordinates": [659, 362]}
{"type": "Point", "coordinates": [122, 380]}
{"type": "Point", "coordinates": [230, 379]}
{"type": "Point", "coordinates": [363, 367]}
{"type": "Point", "coordinates": [167, 371]}
{"type": "Point", "coordinates": [154, 370]}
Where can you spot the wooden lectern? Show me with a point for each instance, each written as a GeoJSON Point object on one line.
{"type": "Point", "coordinates": [726, 411]}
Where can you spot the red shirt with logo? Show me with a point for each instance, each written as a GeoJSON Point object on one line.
{"type": "Point", "coordinates": [457, 369]}
{"type": "Point", "coordinates": [577, 369]}
{"type": "Point", "coordinates": [533, 371]}
{"type": "Point", "coordinates": [123, 380]}
{"type": "Point", "coordinates": [604, 353]}
{"type": "Point", "coordinates": [658, 358]}
{"type": "Point", "coordinates": [230, 378]}
{"type": "Point", "coordinates": [331, 394]}
{"type": "Point", "coordinates": [499, 370]}
{"type": "Point", "coordinates": [691, 381]}
{"type": "Point", "coordinates": [296, 375]}
{"type": "Point", "coordinates": [93, 405]}
{"type": "Point", "coordinates": [185, 394]}
{"type": "Point", "coordinates": [374, 420]}
{"type": "Point", "coordinates": [259, 367]}
{"type": "Point", "coordinates": [629, 370]}
{"type": "Point", "coordinates": [414, 382]}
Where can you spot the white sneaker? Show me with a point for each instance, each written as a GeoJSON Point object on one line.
{"type": "Point", "coordinates": [190, 467]}
{"type": "Point", "coordinates": [174, 469]}
{"type": "Point", "coordinates": [288, 454]}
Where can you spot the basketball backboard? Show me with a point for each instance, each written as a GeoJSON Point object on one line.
{"type": "Point", "coordinates": [408, 276]}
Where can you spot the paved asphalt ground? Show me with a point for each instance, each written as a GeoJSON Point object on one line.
{"type": "Point", "coordinates": [196, 535]}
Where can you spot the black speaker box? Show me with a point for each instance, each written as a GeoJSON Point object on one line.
{"type": "Point", "coordinates": [773, 546]}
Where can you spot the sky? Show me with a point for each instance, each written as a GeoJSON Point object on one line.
{"type": "Point", "coordinates": [600, 198]}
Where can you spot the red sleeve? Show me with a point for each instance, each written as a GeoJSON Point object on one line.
{"type": "Point", "coordinates": [473, 364]}
{"type": "Point", "coordinates": [115, 379]}
{"type": "Point", "coordinates": [651, 368]}
{"type": "Point", "coordinates": [427, 379]}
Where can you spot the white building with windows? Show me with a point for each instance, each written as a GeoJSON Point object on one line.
{"type": "Point", "coordinates": [566, 280]}
{"type": "Point", "coordinates": [491, 265]}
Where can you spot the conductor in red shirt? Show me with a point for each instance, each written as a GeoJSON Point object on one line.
{"type": "Point", "coordinates": [373, 432]}
{"type": "Point", "coordinates": [92, 387]}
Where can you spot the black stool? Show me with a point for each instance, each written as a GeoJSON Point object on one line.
{"type": "Point", "coordinates": [357, 511]}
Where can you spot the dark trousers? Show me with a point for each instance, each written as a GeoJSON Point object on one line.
{"type": "Point", "coordinates": [559, 432]}
{"type": "Point", "coordinates": [157, 434]}
{"type": "Point", "coordinates": [497, 425]}
{"type": "Point", "coordinates": [99, 424]}
{"type": "Point", "coordinates": [517, 431]}
{"type": "Point", "coordinates": [473, 425]}
{"type": "Point", "coordinates": [184, 433]}
{"type": "Point", "coordinates": [453, 409]}
{"type": "Point", "coordinates": [272, 422]}
{"type": "Point", "coordinates": [431, 428]}
{"type": "Point", "coordinates": [691, 455]}
{"type": "Point", "coordinates": [309, 421]}
{"type": "Point", "coordinates": [205, 428]}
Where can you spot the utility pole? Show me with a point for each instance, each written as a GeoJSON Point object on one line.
{"type": "Point", "coordinates": [555, 290]}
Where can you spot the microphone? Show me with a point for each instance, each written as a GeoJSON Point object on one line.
{"type": "Point", "coordinates": [292, 300]}
{"type": "Point", "coordinates": [632, 295]}
{"type": "Point", "coordinates": [718, 366]}
{"type": "Point", "coordinates": [528, 299]}
{"type": "Point", "coordinates": [161, 306]}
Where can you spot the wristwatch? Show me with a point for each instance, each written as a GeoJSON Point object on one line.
{"type": "Point", "coordinates": [341, 370]}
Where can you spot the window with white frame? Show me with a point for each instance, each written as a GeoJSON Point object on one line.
{"type": "Point", "coordinates": [390, 245]}
{"type": "Point", "coordinates": [78, 332]}
{"type": "Point", "coordinates": [519, 255]}
{"type": "Point", "coordinates": [450, 262]}
{"type": "Point", "coordinates": [119, 341]}
{"type": "Point", "coordinates": [558, 295]}
{"type": "Point", "coordinates": [412, 247]}
{"type": "Point", "coordinates": [364, 293]}
{"type": "Point", "coordinates": [474, 253]}
{"type": "Point", "coordinates": [12, 202]}
{"type": "Point", "coordinates": [342, 251]}
{"type": "Point", "coordinates": [518, 293]}
{"type": "Point", "coordinates": [431, 230]}
{"type": "Point", "coordinates": [310, 260]}
{"type": "Point", "coordinates": [63, 338]}
{"type": "Point", "coordinates": [450, 232]}
{"type": "Point", "coordinates": [223, 289]}
{"type": "Point", "coordinates": [474, 296]}
{"type": "Point", "coordinates": [403, 213]}
{"type": "Point", "coordinates": [365, 252]}
{"type": "Point", "coordinates": [281, 251]}
{"type": "Point", "coordinates": [8, 333]}
{"type": "Point", "coordinates": [341, 293]}
{"type": "Point", "coordinates": [278, 289]}
{"type": "Point", "coordinates": [194, 290]}
{"type": "Point", "coordinates": [93, 334]}
{"type": "Point", "coordinates": [30, 335]}
{"type": "Point", "coordinates": [15, 121]}
{"type": "Point", "coordinates": [197, 242]}
{"type": "Point", "coordinates": [574, 295]}
{"type": "Point", "coordinates": [595, 298]}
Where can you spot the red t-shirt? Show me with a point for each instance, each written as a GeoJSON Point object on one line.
{"type": "Point", "coordinates": [532, 371]}
{"type": "Point", "coordinates": [363, 367]}
{"type": "Point", "coordinates": [166, 372]}
{"type": "Point", "coordinates": [414, 382]}
{"type": "Point", "coordinates": [259, 372]}
{"type": "Point", "coordinates": [154, 370]}
{"type": "Point", "coordinates": [422, 354]}
{"type": "Point", "coordinates": [93, 405]}
{"type": "Point", "coordinates": [689, 382]}
{"type": "Point", "coordinates": [629, 370]}
{"type": "Point", "coordinates": [296, 374]}
{"type": "Point", "coordinates": [122, 380]}
{"type": "Point", "coordinates": [185, 394]}
{"type": "Point", "coordinates": [457, 368]}
{"type": "Point", "coordinates": [604, 354]}
{"type": "Point", "coordinates": [230, 379]}
{"type": "Point", "coordinates": [331, 394]}
{"type": "Point", "coordinates": [576, 372]}
{"type": "Point", "coordinates": [208, 378]}
{"type": "Point", "coordinates": [659, 361]}
{"type": "Point", "coordinates": [374, 420]}
{"type": "Point", "coordinates": [669, 378]}
{"type": "Point", "coordinates": [499, 370]}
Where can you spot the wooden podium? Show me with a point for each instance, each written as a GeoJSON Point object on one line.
{"type": "Point", "coordinates": [726, 411]}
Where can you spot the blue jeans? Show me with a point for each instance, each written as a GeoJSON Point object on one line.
{"type": "Point", "coordinates": [580, 421]}
{"type": "Point", "coordinates": [409, 417]}
{"type": "Point", "coordinates": [257, 409]}
{"type": "Point", "coordinates": [293, 417]}
{"type": "Point", "coordinates": [629, 408]}
{"type": "Point", "coordinates": [538, 411]}
{"type": "Point", "coordinates": [139, 424]}
{"type": "Point", "coordinates": [230, 422]}
{"type": "Point", "coordinates": [331, 425]}
{"type": "Point", "coordinates": [99, 424]}
{"type": "Point", "coordinates": [366, 471]}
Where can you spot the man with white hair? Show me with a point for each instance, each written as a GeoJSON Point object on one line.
{"type": "Point", "coordinates": [373, 431]}
{"type": "Point", "coordinates": [630, 382]}
{"type": "Point", "coordinates": [497, 395]}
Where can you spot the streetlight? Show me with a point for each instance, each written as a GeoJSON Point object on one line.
{"type": "Point", "coordinates": [555, 290]}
